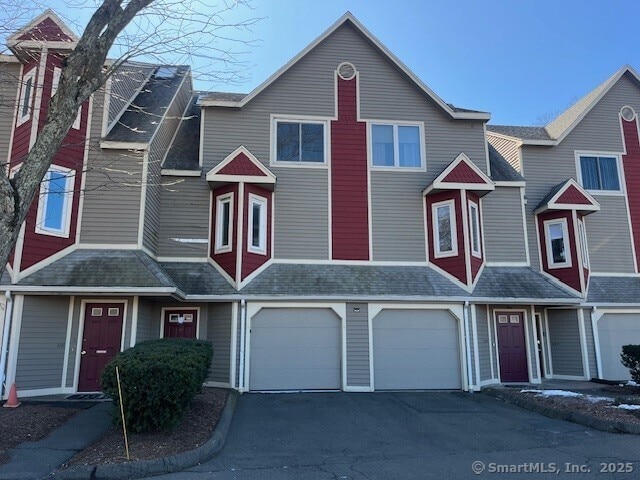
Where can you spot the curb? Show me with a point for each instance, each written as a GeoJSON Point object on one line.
{"type": "Point", "coordinates": [575, 417]}
{"type": "Point", "coordinates": [159, 466]}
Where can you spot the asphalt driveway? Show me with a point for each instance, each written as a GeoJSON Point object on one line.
{"type": "Point", "coordinates": [407, 435]}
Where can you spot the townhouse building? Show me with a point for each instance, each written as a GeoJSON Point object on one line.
{"type": "Point", "coordinates": [340, 227]}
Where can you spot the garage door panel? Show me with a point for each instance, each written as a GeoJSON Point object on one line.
{"type": "Point", "coordinates": [416, 349]}
{"type": "Point", "coordinates": [295, 349]}
{"type": "Point", "coordinates": [614, 331]}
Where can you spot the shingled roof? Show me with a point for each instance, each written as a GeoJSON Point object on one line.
{"type": "Point", "coordinates": [521, 132]}
{"type": "Point", "coordinates": [185, 149]}
{"type": "Point", "coordinates": [501, 171]}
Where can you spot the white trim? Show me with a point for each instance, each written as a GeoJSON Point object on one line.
{"type": "Point", "coordinates": [245, 281]}
{"type": "Point", "coordinates": [584, 246]}
{"type": "Point", "coordinates": [31, 75]}
{"type": "Point", "coordinates": [227, 198]}
{"type": "Point", "coordinates": [466, 237]}
{"type": "Point", "coordinates": [527, 342]}
{"type": "Point", "coordinates": [233, 350]}
{"type": "Point", "coordinates": [14, 340]}
{"type": "Point", "coordinates": [486, 149]}
{"type": "Point", "coordinates": [83, 177]}
{"type": "Point", "coordinates": [615, 274]}
{"type": "Point", "coordinates": [37, 102]}
{"type": "Point", "coordinates": [240, 230]}
{"type": "Point", "coordinates": [534, 325]}
{"type": "Point", "coordinates": [394, 124]}
{"type": "Point", "coordinates": [537, 317]}
{"type": "Point", "coordinates": [262, 203]}
{"type": "Point", "coordinates": [505, 183]}
{"type": "Point", "coordinates": [568, 263]}
{"type": "Point", "coordinates": [213, 175]}
{"type": "Point", "coordinates": [439, 182]}
{"type": "Point", "coordinates": [583, 345]}
{"type": "Point", "coordinates": [40, 392]}
{"type": "Point", "coordinates": [46, 262]}
{"type": "Point", "coordinates": [143, 197]}
{"type": "Point", "coordinates": [222, 271]}
{"type": "Point", "coordinates": [133, 336]}
{"type": "Point", "coordinates": [506, 264]}
{"type": "Point", "coordinates": [201, 143]}
{"type": "Point", "coordinates": [492, 345]}
{"type": "Point", "coordinates": [476, 354]}
{"type": "Point", "coordinates": [349, 17]}
{"type": "Point", "coordinates": [477, 231]}
{"type": "Point", "coordinates": [217, 384]}
{"type": "Point", "coordinates": [106, 102]}
{"type": "Point", "coordinates": [115, 145]}
{"type": "Point", "coordinates": [525, 227]}
{"type": "Point", "coordinates": [179, 308]}
{"type": "Point", "coordinates": [69, 176]}
{"type": "Point", "coordinates": [595, 317]}
{"type": "Point", "coordinates": [67, 342]}
{"type": "Point", "coordinates": [171, 172]}
{"type": "Point", "coordinates": [300, 119]}
{"type": "Point", "coordinates": [616, 155]}
{"type": "Point", "coordinates": [180, 120]}
{"type": "Point", "coordinates": [14, 41]}
{"type": "Point", "coordinates": [437, 253]}
{"type": "Point", "coordinates": [182, 259]}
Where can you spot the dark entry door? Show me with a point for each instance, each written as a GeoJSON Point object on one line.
{"type": "Point", "coordinates": [180, 323]}
{"type": "Point", "coordinates": [100, 342]}
{"type": "Point", "coordinates": [512, 349]}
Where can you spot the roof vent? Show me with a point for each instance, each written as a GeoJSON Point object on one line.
{"type": "Point", "coordinates": [346, 71]}
{"type": "Point", "coordinates": [627, 113]}
{"type": "Point", "coordinates": [166, 72]}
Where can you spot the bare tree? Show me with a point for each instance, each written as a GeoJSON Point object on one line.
{"type": "Point", "coordinates": [151, 29]}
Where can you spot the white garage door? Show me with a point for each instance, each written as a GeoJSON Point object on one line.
{"type": "Point", "coordinates": [415, 350]}
{"type": "Point", "coordinates": [616, 330]}
{"type": "Point", "coordinates": [295, 349]}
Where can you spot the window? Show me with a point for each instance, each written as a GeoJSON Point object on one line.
{"type": "Point", "coordinates": [583, 244]}
{"type": "Point", "coordinates": [600, 173]}
{"type": "Point", "coordinates": [54, 204]}
{"type": "Point", "coordinates": [257, 235]}
{"type": "Point", "coordinates": [396, 146]}
{"type": "Point", "coordinates": [54, 88]}
{"type": "Point", "coordinates": [224, 223]}
{"type": "Point", "coordinates": [444, 229]}
{"type": "Point", "coordinates": [557, 240]}
{"type": "Point", "coordinates": [300, 142]}
{"type": "Point", "coordinates": [474, 224]}
{"type": "Point", "coordinates": [24, 107]}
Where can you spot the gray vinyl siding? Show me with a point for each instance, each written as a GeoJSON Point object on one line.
{"type": "Point", "coordinates": [73, 347]}
{"type": "Point", "coordinates": [184, 213]}
{"type": "Point", "coordinates": [157, 151]}
{"type": "Point", "coordinates": [609, 236]}
{"type": "Point", "coordinates": [127, 323]}
{"type": "Point", "coordinates": [358, 373]}
{"type": "Point", "coordinates": [219, 334]}
{"type": "Point", "coordinates": [238, 346]}
{"type": "Point", "coordinates": [125, 83]}
{"type": "Point", "coordinates": [9, 82]}
{"type": "Point", "coordinates": [301, 199]}
{"type": "Point", "coordinates": [509, 149]}
{"type": "Point", "coordinates": [599, 131]}
{"type": "Point", "coordinates": [148, 326]}
{"type": "Point", "coordinates": [484, 342]}
{"type": "Point", "coordinates": [502, 219]}
{"type": "Point", "coordinates": [42, 342]}
{"type": "Point", "coordinates": [397, 216]}
{"type": "Point", "coordinates": [564, 334]}
{"type": "Point", "coordinates": [591, 347]}
{"type": "Point", "coordinates": [111, 205]}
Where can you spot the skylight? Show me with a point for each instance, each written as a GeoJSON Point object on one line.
{"type": "Point", "coordinates": [166, 72]}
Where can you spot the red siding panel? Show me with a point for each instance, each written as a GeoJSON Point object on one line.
{"type": "Point", "coordinates": [252, 261]}
{"type": "Point", "coordinates": [349, 186]}
{"type": "Point", "coordinates": [573, 196]}
{"type": "Point", "coordinates": [463, 173]}
{"type": "Point", "coordinates": [47, 31]}
{"type": "Point", "coordinates": [227, 261]}
{"type": "Point", "coordinates": [568, 275]}
{"type": "Point", "coordinates": [631, 165]}
{"type": "Point", "coordinates": [455, 266]}
{"type": "Point", "coordinates": [241, 165]}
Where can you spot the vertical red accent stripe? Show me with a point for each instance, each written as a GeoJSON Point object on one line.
{"type": "Point", "coordinates": [349, 186]}
{"type": "Point", "coordinates": [631, 165]}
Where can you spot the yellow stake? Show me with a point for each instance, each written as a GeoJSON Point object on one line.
{"type": "Point", "coordinates": [124, 425]}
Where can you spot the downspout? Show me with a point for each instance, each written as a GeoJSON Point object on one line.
{"type": "Point", "coordinates": [465, 316]}
{"type": "Point", "coordinates": [243, 322]}
{"type": "Point", "coordinates": [5, 341]}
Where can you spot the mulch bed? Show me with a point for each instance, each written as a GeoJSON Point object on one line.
{"type": "Point", "coordinates": [31, 422]}
{"type": "Point", "coordinates": [194, 430]}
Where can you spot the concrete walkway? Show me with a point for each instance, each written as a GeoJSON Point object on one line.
{"type": "Point", "coordinates": [36, 460]}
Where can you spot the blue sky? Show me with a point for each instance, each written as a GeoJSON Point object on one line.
{"type": "Point", "coordinates": [520, 60]}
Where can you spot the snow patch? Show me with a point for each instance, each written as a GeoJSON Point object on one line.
{"type": "Point", "coordinates": [552, 393]}
{"type": "Point", "coordinates": [626, 406]}
{"type": "Point", "coordinates": [631, 383]}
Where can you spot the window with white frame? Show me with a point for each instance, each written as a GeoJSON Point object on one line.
{"type": "Point", "coordinates": [600, 173]}
{"type": "Point", "coordinates": [54, 88]}
{"type": "Point", "coordinates": [557, 243]}
{"type": "Point", "coordinates": [54, 204]}
{"type": "Point", "coordinates": [257, 235]}
{"type": "Point", "coordinates": [474, 225]}
{"type": "Point", "coordinates": [300, 142]}
{"type": "Point", "coordinates": [26, 96]}
{"type": "Point", "coordinates": [396, 146]}
{"type": "Point", "coordinates": [583, 244]}
{"type": "Point", "coordinates": [445, 238]}
{"type": "Point", "coordinates": [224, 223]}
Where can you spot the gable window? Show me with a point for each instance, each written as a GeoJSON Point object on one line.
{"type": "Point", "coordinates": [396, 146]}
{"type": "Point", "coordinates": [600, 173]}
{"type": "Point", "coordinates": [26, 97]}
{"type": "Point", "coordinates": [54, 204]}
{"type": "Point", "coordinates": [224, 223]}
{"type": "Point", "coordinates": [300, 142]}
{"type": "Point", "coordinates": [445, 237]}
{"type": "Point", "coordinates": [257, 235]}
{"type": "Point", "coordinates": [474, 224]}
{"type": "Point", "coordinates": [557, 243]}
{"type": "Point", "coordinates": [583, 244]}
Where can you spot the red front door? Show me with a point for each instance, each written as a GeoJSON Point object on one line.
{"type": "Point", "coordinates": [100, 342]}
{"type": "Point", "coordinates": [512, 348]}
{"type": "Point", "coordinates": [180, 323]}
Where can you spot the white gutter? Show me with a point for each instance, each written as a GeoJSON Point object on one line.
{"type": "Point", "coordinates": [243, 321]}
{"type": "Point", "coordinates": [465, 316]}
{"type": "Point", "coordinates": [5, 340]}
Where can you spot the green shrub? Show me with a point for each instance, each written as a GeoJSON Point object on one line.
{"type": "Point", "coordinates": [159, 379]}
{"type": "Point", "coordinates": [631, 359]}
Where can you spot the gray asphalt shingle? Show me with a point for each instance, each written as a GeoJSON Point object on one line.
{"type": "Point", "coordinates": [185, 149]}
{"type": "Point", "coordinates": [501, 171]}
{"type": "Point", "coordinates": [614, 290]}
{"type": "Point", "coordinates": [522, 132]}
{"type": "Point", "coordinates": [518, 282]}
